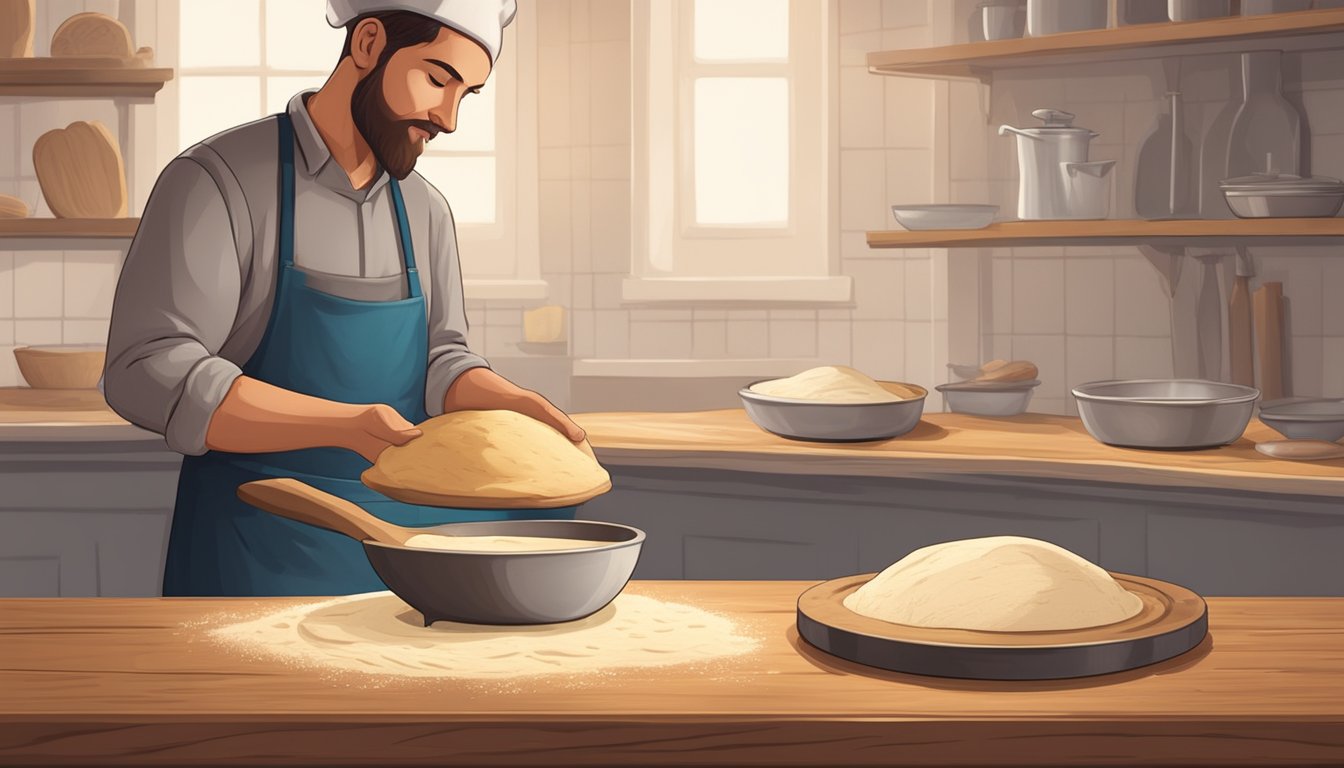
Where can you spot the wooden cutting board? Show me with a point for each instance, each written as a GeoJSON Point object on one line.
{"type": "Point", "coordinates": [16, 28]}
{"type": "Point", "coordinates": [1173, 620]}
{"type": "Point", "coordinates": [80, 170]}
{"type": "Point", "coordinates": [92, 34]}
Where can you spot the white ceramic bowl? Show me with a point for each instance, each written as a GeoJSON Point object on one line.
{"type": "Point", "coordinates": [833, 422]}
{"type": "Point", "coordinates": [989, 398]}
{"type": "Point", "coordinates": [1306, 419]}
{"type": "Point", "coordinates": [949, 216]}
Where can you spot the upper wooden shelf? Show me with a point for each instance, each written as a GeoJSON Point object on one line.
{"type": "Point", "coordinates": [1187, 232]}
{"type": "Point", "coordinates": [50, 234]}
{"type": "Point", "coordinates": [88, 78]}
{"type": "Point", "coordinates": [1283, 31]}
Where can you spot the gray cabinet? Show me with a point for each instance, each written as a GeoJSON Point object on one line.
{"type": "Point", "coordinates": [85, 519]}
{"type": "Point", "coordinates": [720, 524]}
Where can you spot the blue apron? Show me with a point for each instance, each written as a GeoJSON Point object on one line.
{"type": "Point", "coordinates": [329, 347]}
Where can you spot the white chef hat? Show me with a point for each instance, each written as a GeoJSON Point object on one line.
{"type": "Point", "coordinates": [481, 20]}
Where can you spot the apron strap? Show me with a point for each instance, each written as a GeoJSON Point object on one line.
{"type": "Point", "coordinates": [404, 235]}
{"type": "Point", "coordinates": [286, 191]}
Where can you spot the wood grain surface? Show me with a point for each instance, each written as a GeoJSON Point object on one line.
{"type": "Point", "coordinates": [138, 682]}
{"type": "Point", "coordinates": [81, 171]}
{"type": "Point", "coordinates": [1030, 445]}
{"type": "Point", "coordinates": [23, 405]}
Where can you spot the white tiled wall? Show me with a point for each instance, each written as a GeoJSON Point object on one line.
{"type": "Point", "coordinates": [50, 297]}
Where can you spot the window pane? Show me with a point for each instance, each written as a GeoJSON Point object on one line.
{"type": "Point", "coordinates": [475, 124]}
{"type": "Point", "coordinates": [209, 105]}
{"type": "Point", "coordinates": [741, 150]}
{"type": "Point", "coordinates": [467, 182]}
{"type": "Point", "coordinates": [740, 30]}
{"type": "Point", "coordinates": [279, 90]}
{"type": "Point", "coordinates": [219, 33]}
{"type": "Point", "coordinates": [298, 36]}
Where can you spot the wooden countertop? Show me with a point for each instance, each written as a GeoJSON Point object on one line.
{"type": "Point", "coordinates": [134, 682]}
{"type": "Point", "coordinates": [43, 415]}
{"type": "Point", "coordinates": [1031, 445]}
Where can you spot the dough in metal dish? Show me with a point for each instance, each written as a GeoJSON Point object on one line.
{"type": "Point", "coordinates": [488, 459]}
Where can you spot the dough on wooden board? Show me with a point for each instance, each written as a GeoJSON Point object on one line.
{"type": "Point", "coordinates": [496, 458]}
{"type": "Point", "coordinates": [835, 384]}
{"type": "Point", "coordinates": [995, 584]}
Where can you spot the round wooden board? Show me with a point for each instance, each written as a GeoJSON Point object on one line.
{"type": "Point", "coordinates": [1173, 620]}
{"type": "Point", "coordinates": [409, 496]}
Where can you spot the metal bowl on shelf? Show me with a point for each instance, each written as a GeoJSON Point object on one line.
{"type": "Point", "coordinates": [1165, 414]}
{"type": "Point", "coordinates": [944, 216]}
{"type": "Point", "coordinates": [989, 398]}
{"type": "Point", "coordinates": [822, 422]}
{"type": "Point", "coordinates": [1306, 419]}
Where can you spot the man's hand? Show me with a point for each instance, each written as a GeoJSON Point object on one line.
{"type": "Point", "coordinates": [372, 428]}
{"type": "Point", "coordinates": [481, 389]}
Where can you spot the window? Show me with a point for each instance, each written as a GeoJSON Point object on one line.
{"type": "Point", "coordinates": [239, 60]}
{"type": "Point", "coordinates": [732, 165]}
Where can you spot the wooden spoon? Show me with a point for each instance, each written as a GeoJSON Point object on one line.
{"type": "Point", "coordinates": [301, 502]}
{"type": "Point", "coordinates": [1301, 450]}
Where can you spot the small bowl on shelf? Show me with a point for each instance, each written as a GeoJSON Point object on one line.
{"type": "Point", "coordinates": [61, 366]}
{"type": "Point", "coordinates": [946, 216]}
{"type": "Point", "coordinates": [1276, 196]}
{"type": "Point", "coordinates": [822, 422]}
{"type": "Point", "coordinates": [1306, 419]}
{"type": "Point", "coordinates": [995, 399]}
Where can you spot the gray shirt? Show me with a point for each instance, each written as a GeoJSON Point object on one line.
{"type": "Point", "coordinates": [196, 291]}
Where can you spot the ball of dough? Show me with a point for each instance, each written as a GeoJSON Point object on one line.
{"type": "Point", "coordinates": [835, 384]}
{"type": "Point", "coordinates": [995, 584]}
{"type": "Point", "coordinates": [493, 459]}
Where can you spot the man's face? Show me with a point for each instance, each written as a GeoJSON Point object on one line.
{"type": "Point", "coordinates": [405, 102]}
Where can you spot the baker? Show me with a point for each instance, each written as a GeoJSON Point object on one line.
{"type": "Point", "coordinates": [292, 304]}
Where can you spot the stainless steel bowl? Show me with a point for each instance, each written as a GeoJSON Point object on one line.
{"type": "Point", "coordinates": [511, 587]}
{"type": "Point", "coordinates": [1170, 414]}
{"type": "Point", "coordinates": [989, 398]}
{"type": "Point", "coordinates": [833, 422]}
{"type": "Point", "coordinates": [1306, 419]}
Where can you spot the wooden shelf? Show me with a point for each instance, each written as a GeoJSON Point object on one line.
{"type": "Point", "coordinates": [67, 78]}
{"type": "Point", "coordinates": [1282, 31]}
{"type": "Point", "coordinates": [51, 234]}
{"type": "Point", "coordinates": [1185, 232]}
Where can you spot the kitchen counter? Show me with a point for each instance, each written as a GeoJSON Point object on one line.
{"type": "Point", "coordinates": [137, 682]}
{"type": "Point", "coordinates": [40, 415]}
{"type": "Point", "coordinates": [1034, 445]}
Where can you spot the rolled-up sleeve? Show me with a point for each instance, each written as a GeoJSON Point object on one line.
{"type": "Point", "coordinates": [448, 352]}
{"type": "Point", "coordinates": [175, 304]}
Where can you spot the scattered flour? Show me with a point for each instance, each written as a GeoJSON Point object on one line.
{"type": "Point", "coordinates": [498, 543]}
{"type": "Point", "coordinates": [379, 634]}
{"type": "Point", "coordinates": [995, 584]}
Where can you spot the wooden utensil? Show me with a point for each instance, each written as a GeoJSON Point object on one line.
{"type": "Point", "coordinates": [1268, 307]}
{"type": "Point", "coordinates": [16, 28]}
{"type": "Point", "coordinates": [12, 208]}
{"type": "Point", "coordinates": [80, 170]}
{"type": "Point", "coordinates": [1001, 370]}
{"type": "Point", "coordinates": [92, 34]}
{"type": "Point", "coordinates": [1172, 621]}
{"type": "Point", "coordinates": [303, 503]}
{"type": "Point", "coordinates": [1239, 323]}
{"type": "Point", "coordinates": [1301, 450]}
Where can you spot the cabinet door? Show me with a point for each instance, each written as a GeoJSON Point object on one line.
{"type": "Point", "coordinates": [45, 556]}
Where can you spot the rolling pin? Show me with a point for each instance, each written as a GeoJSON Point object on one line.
{"type": "Point", "coordinates": [1240, 352]}
{"type": "Point", "coordinates": [1268, 305]}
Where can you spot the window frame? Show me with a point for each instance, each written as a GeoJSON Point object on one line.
{"type": "Point", "coordinates": [500, 260]}
{"type": "Point", "coordinates": [676, 259]}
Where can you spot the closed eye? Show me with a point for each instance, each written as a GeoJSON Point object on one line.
{"type": "Point", "coordinates": [436, 83]}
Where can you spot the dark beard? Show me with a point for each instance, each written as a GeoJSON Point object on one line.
{"type": "Point", "coordinates": [387, 136]}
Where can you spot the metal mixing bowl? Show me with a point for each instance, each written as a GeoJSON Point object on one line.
{"type": "Point", "coordinates": [1306, 419]}
{"type": "Point", "coordinates": [834, 422]}
{"type": "Point", "coordinates": [1165, 413]}
{"type": "Point", "coordinates": [989, 398]}
{"type": "Point", "coordinates": [511, 587]}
